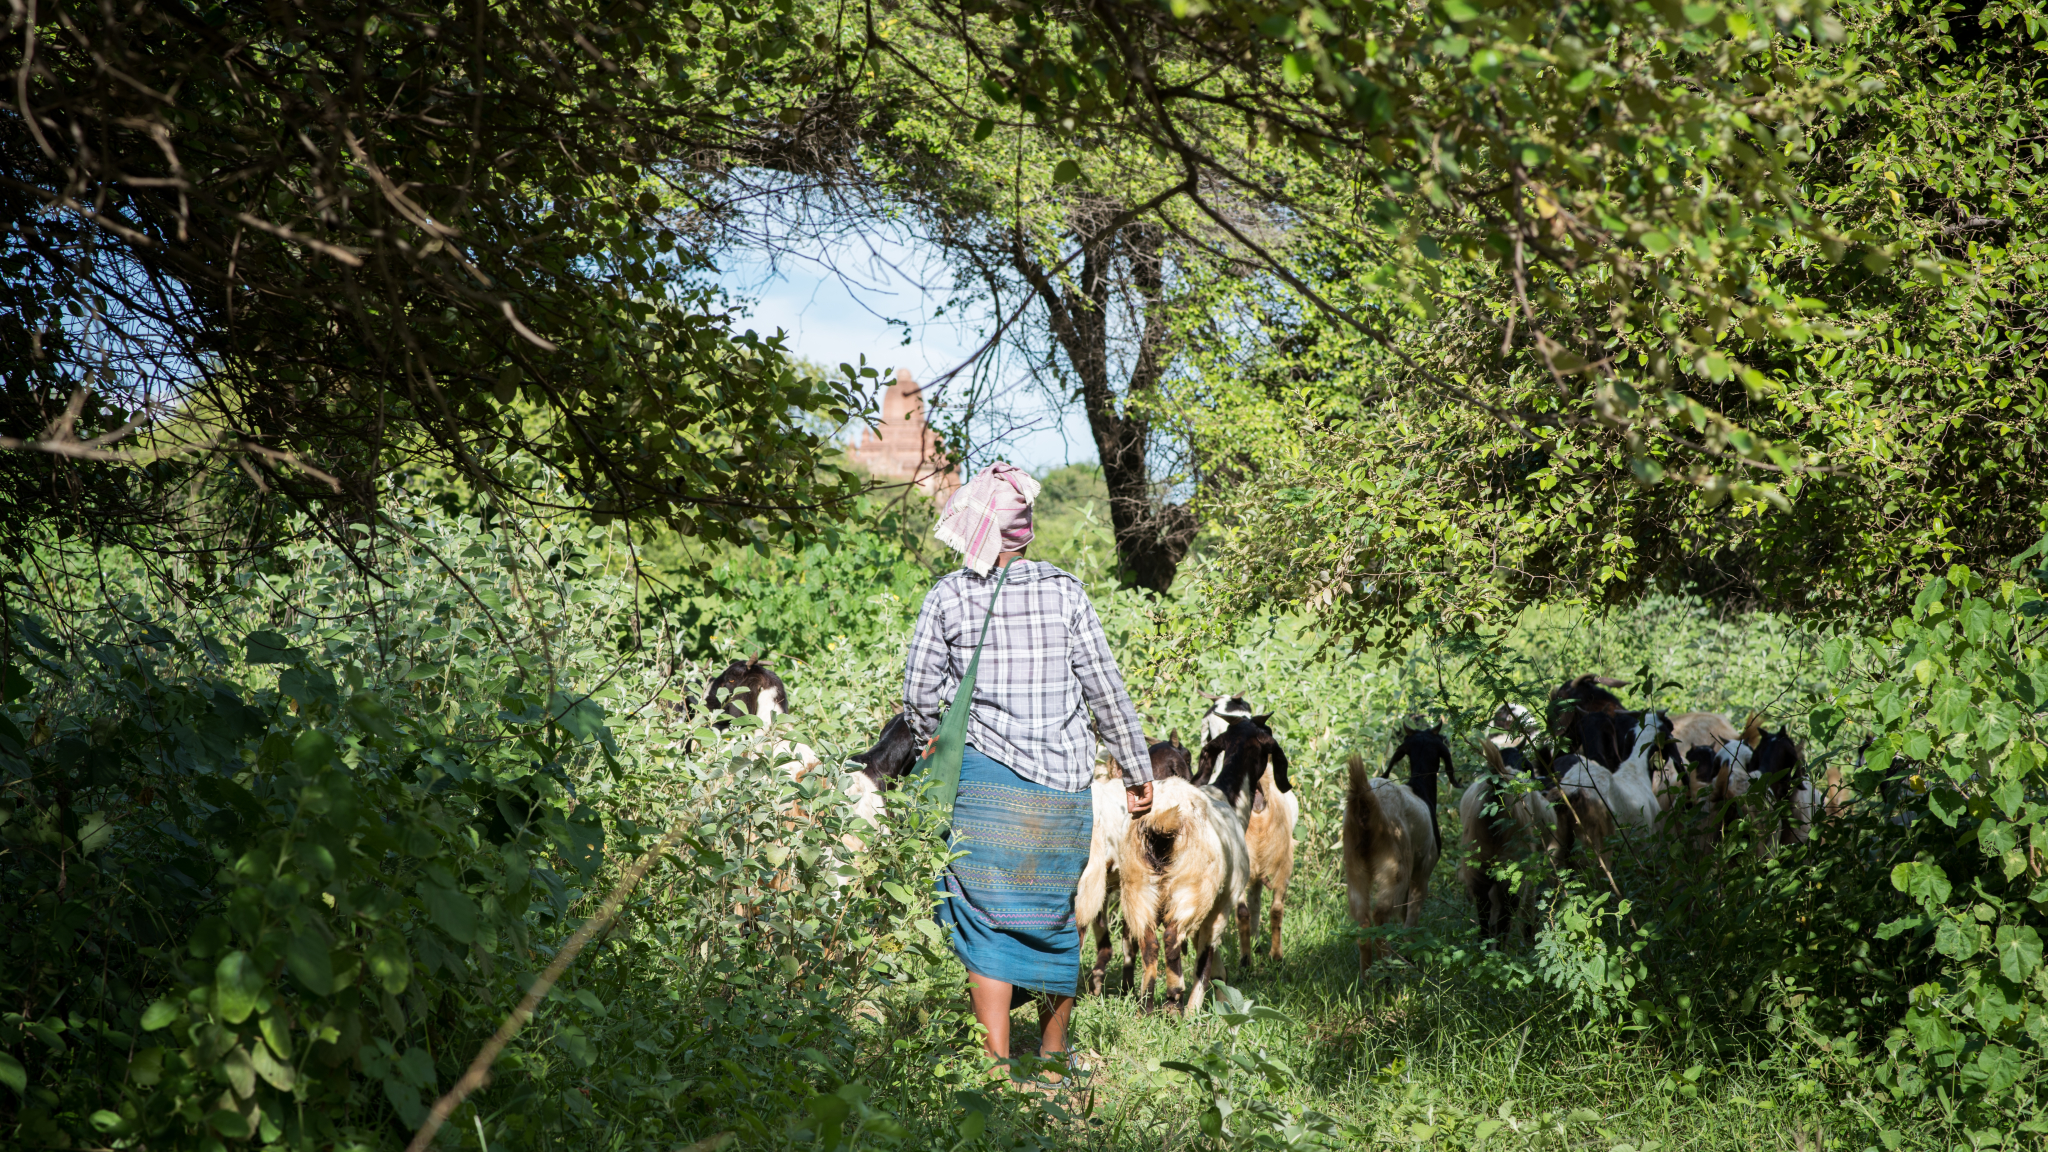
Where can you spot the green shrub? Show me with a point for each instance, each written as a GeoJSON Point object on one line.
{"type": "Point", "coordinates": [278, 890]}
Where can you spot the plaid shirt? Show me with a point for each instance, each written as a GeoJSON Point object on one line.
{"type": "Point", "coordinates": [1045, 666]}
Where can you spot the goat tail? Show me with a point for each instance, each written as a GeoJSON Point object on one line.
{"type": "Point", "coordinates": [1161, 821]}
{"type": "Point", "coordinates": [1361, 781]}
{"type": "Point", "coordinates": [1362, 804]}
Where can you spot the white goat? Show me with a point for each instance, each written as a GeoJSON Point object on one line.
{"type": "Point", "coordinates": [1390, 849]}
{"type": "Point", "coordinates": [1626, 796]}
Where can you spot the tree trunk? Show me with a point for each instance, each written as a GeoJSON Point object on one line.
{"type": "Point", "coordinates": [1151, 535]}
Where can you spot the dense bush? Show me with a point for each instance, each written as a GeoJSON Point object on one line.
{"type": "Point", "coordinates": [283, 859]}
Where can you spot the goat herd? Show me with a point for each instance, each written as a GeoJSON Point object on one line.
{"type": "Point", "coordinates": [1221, 826]}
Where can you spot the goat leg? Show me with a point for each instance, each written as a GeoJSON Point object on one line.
{"type": "Point", "coordinates": [1102, 951]}
{"type": "Point", "coordinates": [1175, 982]}
{"type": "Point", "coordinates": [1151, 983]}
{"type": "Point", "coordinates": [1207, 940]}
{"type": "Point", "coordinates": [1130, 960]}
{"type": "Point", "coordinates": [1247, 915]}
{"type": "Point", "coordinates": [1279, 909]}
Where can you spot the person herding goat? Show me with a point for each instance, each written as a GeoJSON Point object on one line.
{"type": "Point", "coordinates": [1023, 813]}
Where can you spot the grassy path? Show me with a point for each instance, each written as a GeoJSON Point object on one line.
{"type": "Point", "coordinates": [1422, 1062]}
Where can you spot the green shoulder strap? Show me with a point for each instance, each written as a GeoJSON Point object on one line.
{"type": "Point", "coordinates": [940, 767]}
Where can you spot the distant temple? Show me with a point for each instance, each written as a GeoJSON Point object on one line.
{"type": "Point", "coordinates": [903, 447]}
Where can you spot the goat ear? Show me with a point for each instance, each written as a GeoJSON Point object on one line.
{"type": "Point", "coordinates": [1261, 720]}
{"type": "Point", "coordinates": [1609, 682]}
{"type": "Point", "coordinates": [1173, 738]}
{"type": "Point", "coordinates": [1439, 727]}
{"type": "Point", "coordinates": [1753, 731]}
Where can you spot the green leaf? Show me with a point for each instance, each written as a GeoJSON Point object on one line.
{"type": "Point", "coordinates": [314, 749]}
{"type": "Point", "coordinates": [276, 1033]}
{"type": "Point", "coordinates": [240, 1071]}
{"type": "Point", "coordinates": [1655, 243]}
{"type": "Point", "coordinates": [1582, 81]}
{"type": "Point", "coordinates": [1931, 1032]}
{"type": "Point", "coordinates": [237, 984]}
{"type": "Point", "coordinates": [307, 960]}
{"type": "Point", "coordinates": [275, 1072]}
{"type": "Point", "coordinates": [2019, 952]}
{"type": "Point", "coordinates": [580, 716]}
{"type": "Point", "coordinates": [984, 128]}
{"type": "Point", "coordinates": [1459, 11]}
{"type": "Point", "coordinates": [1835, 655]}
{"type": "Point", "coordinates": [1953, 710]}
{"type": "Point", "coordinates": [106, 1121]}
{"type": "Point", "coordinates": [1893, 928]}
{"type": "Point", "coordinates": [13, 1074]}
{"type": "Point", "coordinates": [233, 1125]}
{"type": "Point", "coordinates": [1922, 881]}
{"type": "Point", "coordinates": [1697, 14]}
{"type": "Point", "coordinates": [159, 1015]}
{"type": "Point", "coordinates": [1956, 939]}
{"type": "Point", "coordinates": [1979, 620]}
{"type": "Point", "coordinates": [583, 840]}
{"type": "Point", "coordinates": [1067, 171]}
{"type": "Point", "coordinates": [831, 1113]}
{"type": "Point", "coordinates": [452, 912]}
{"type": "Point", "coordinates": [266, 647]}
{"type": "Point", "coordinates": [1998, 1067]}
{"type": "Point", "coordinates": [1929, 598]}
{"type": "Point", "coordinates": [388, 962]}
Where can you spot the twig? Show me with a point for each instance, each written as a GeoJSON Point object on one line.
{"type": "Point", "coordinates": [479, 1073]}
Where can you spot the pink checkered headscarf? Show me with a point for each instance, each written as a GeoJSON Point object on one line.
{"type": "Point", "coordinates": [990, 514]}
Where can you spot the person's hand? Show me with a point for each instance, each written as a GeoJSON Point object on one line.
{"type": "Point", "coordinates": [1138, 798]}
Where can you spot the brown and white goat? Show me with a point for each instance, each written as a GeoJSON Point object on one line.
{"type": "Point", "coordinates": [1185, 869]}
{"type": "Point", "coordinates": [1493, 825]}
{"type": "Point", "coordinates": [1390, 849]}
{"type": "Point", "coordinates": [1247, 750]}
{"type": "Point", "coordinates": [1103, 876]}
{"type": "Point", "coordinates": [746, 688]}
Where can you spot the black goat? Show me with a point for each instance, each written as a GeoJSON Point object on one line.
{"type": "Point", "coordinates": [1425, 749]}
{"type": "Point", "coordinates": [1236, 761]}
{"type": "Point", "coordinates": [893, 755]}
{"type": "Point", "coordinates": [1585, 696]}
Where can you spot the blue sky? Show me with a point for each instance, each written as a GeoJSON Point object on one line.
{"type": "Point", "coordinates": [839, 307]}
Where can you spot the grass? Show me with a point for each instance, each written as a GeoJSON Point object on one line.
{"type": "Point", "coordinates": [1421, 1058]}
